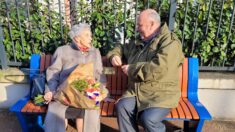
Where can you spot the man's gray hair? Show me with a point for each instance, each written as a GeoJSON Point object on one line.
{"type": "Point", "coordinates": [154, 16]}
{"type": "Point", "coordinates": [77, 29]}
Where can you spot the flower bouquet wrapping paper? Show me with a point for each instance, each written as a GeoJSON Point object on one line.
{"type": "Point", "coordinates": [80, 90]}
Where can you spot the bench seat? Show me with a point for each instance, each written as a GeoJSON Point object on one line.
{"type": "Point", "coordinates": [189, 108]}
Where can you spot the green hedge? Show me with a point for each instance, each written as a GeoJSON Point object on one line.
{"type": "Point", "coordinates": [37, 32]}
{"type": "Point", "coordinates": [107, 23]}
{"type": "Point", "coordinates": [212, 49]}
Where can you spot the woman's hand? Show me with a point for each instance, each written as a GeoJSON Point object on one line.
{"type": "Point", "coordinates": [48, 97]}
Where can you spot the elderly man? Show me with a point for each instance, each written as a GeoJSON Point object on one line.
{"type": "Point", "coordinates": [64, 61]}
{"type": "Point", "coordinates": [153, 75]}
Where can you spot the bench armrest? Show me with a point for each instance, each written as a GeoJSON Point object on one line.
{"type": "Point", "coordinates": [19, 104]}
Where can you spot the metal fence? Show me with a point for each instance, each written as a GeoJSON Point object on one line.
{"type": "Point", "coordinates": [211, 37]}
{"type": "Point", "coordinates": [206, 28]}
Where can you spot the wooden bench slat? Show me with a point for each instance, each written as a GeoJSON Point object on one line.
{"type": "Point", "coordinates": [169, 115]}
{"type": "Point", "coordinates": [185, 79]}
{"type": "Point", "coordinates": [43, 109]}
{"type": "Point", "coordinates": [105, 61]}
{"type": "Point", "coordinates": [108, 63]}
{"type": "Point", "coordinates": [174, 113]}
{"type": "Point", "coordinates": [180, 79]}
{"type": "Point", "coordinates": [109, 82]}
{"type": "Point", "coordinates": [111, 109]}
{"type": "Point", "coordinates": [48, 61]}
{"type": "Point", "coordinates": [191, 108]}
{"type": "Point", "coordinates": [108, 108]}
{"type": "Point", "coordinates": [114, 83]}
{"type": "Point", "coordinates": [119, 81]}
{"type": "Point", "coordinates": [30, 107]}
{"type": "Point", "coordinates": [104, 111]}
{"type": "Point", "coordinates": [180, 111]}
{"type": "Point", "coordinates": [185, 109]}
{"type": "Point", "coordinates": [42, 63]}
{"type": "Point", "coordinates": [101, 107]}
{"type": "Point", "coordinates": [124, 82]}
{"type": "Point", "coordinates": [36, 109]}
{"type": "Point", "coordinates": [109, 76]}
{"type": "Point", "coordinates": [24, 109]}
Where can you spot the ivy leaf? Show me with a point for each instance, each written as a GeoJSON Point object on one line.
{"type": "Point", "coordinates": [204, 7]}
{"type": "Point", "coordinates": [233, 46]}
{"type": "Point", "coordinates": [215, 49]}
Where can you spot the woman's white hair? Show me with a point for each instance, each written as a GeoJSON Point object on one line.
{"type": "Point", "coordinates": [76, 30]}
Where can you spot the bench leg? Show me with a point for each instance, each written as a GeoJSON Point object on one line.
{"type": "Point", "coordinates": [22, 121]}
{"type": "Point", "coordinates": [193, 126]}
{"type": "Point", "coordinates": [200, 125]}
{"type": "Point", "coordinates": [40, 121]}
{"type": "Point", "coordinates": [35, 123]}
{"type": "Point", "coordinates": [186, 126]}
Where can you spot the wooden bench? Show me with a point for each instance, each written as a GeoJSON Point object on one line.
{"type": "Point", "coordinates": [189, 109]}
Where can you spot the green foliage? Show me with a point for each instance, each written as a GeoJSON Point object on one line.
{"type": "Point", "coordinates": [161, 6]}
{"type": "Point", "coordinates": [37, 30]}
{"type": "Point", "coordinates": [107, 22]}
{"type": "Point", "coordinates": [210, 48]}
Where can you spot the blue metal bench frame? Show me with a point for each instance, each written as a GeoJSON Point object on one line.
{"type": "Point", "coordinates": [193, 92]}
{"type": "Point", "coordinates": [192, 95]}
{"type": "Point", "coordinates": [29, 122]}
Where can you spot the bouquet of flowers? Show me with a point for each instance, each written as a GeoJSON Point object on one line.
{"type": "Point", "coordinates": [80, 90]}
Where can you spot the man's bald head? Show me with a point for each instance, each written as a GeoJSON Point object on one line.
{"type": "Point", "coordinates": [148, 23]}
{"type": "Point", "coordinates": [150, 14]}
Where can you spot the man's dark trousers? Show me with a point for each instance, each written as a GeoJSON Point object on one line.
{"type": "Point", "coordinates": [150, 118]}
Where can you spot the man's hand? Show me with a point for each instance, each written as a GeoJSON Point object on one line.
{"type": "Point", "coordinates": [116, 61]}
{"type": "Point", "coordinates": [125, 69]}
{"type": "Point", "coordinates": [48, 97]}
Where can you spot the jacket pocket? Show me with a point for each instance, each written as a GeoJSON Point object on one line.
{"type": "Point", "coordinates": [159, 86]}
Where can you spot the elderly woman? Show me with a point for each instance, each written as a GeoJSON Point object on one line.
{"type": "Point", "coordinates": [64, 61]}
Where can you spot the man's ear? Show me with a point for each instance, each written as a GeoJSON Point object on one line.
{"type": "Point", "coordinates": [154, 25]}
{"type": "Point", "coordinates": [151, 25]}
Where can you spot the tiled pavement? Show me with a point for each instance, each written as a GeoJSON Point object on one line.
{"type": "Point", "coordinates": [9, 123]}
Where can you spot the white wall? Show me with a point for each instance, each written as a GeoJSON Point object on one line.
{"type": "Point", "coordinates": [220, 103]}
{"type": "Point", "coordinates": [11, 92]}
{"type": "Point", "coordinates": [217, 93]}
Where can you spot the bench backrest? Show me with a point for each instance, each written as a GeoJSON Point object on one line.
{"type": "Point", "coordinates": [116, 83]}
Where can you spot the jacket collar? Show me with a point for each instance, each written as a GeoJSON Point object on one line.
{"type": "Point", "coordinates": [163, 31]}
